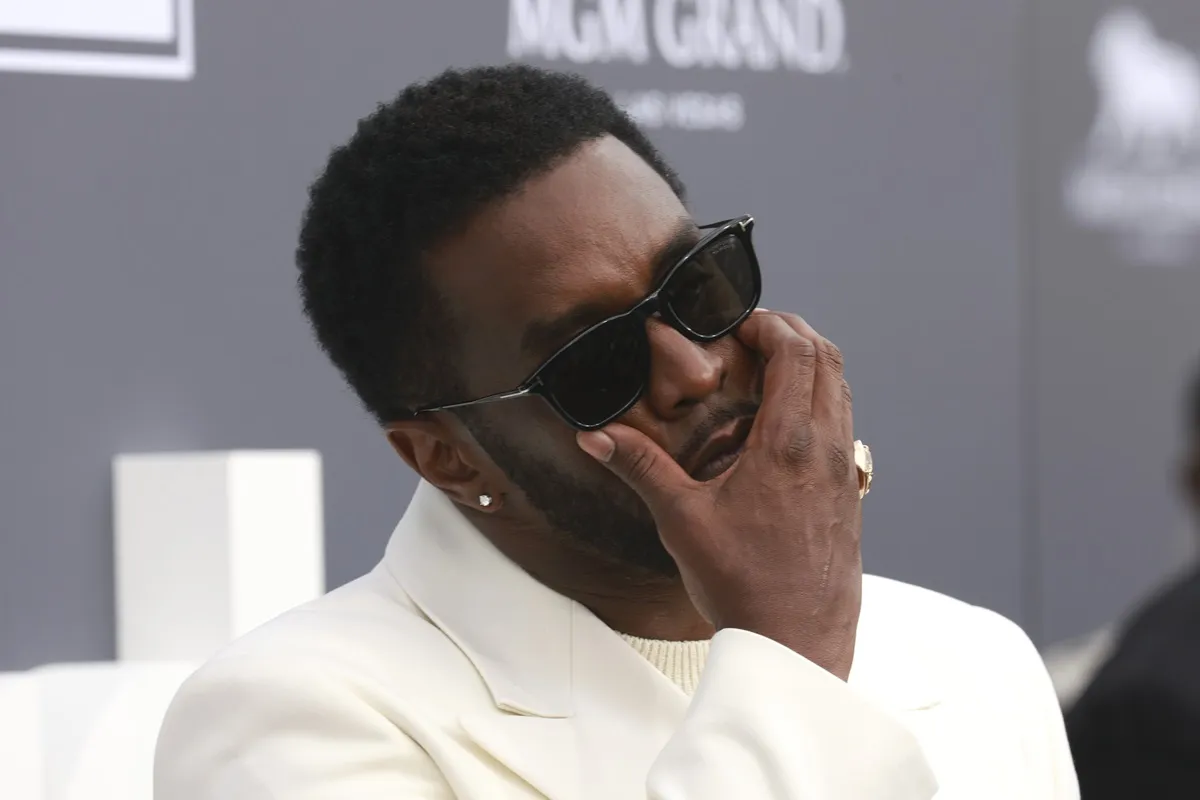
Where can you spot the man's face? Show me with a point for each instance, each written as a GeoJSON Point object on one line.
{"type": "Point", "coordinates": [583, 242]}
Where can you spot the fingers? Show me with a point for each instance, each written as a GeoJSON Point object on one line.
{"type": "Point", "coordinates": [641, 463]}
{"type": "Point", "coordinates": [832, 400]}
{"type": "Point", "coordinates": [830, 407]}
{"type": "Point", "coordinates": [785, 419]}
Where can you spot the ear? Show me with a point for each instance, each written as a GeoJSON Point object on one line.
{"type": "Point", "coordinates": [441, 455]}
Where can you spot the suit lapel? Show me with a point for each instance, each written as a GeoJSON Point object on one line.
{"type": "Point", "coordinates": [545, 753]}
{"type": "Point", "coordinates": [578, 713]}
{"type": "Point", "coordinates": [624, 711]}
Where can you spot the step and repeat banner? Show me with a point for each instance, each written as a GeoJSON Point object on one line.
{"type": "Point", "coordinates": [162, 150]}
{"type": "Point", "coordinates": [1113, 199]}
{"type": "Point", "coordinates": [875, 144]}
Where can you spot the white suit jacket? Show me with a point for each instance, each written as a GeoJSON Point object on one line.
{"type": "Point", "coordinates": [448, 672]}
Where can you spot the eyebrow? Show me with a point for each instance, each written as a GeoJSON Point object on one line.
{"type": "Point", "coordinates": [542, 336]}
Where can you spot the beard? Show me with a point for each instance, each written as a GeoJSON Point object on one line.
{"type": "Point", "coordinates": [601, 516]}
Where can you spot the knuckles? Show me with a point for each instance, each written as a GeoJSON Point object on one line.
{"type": "Point", "coordinates": [797, 347]}
{"type": "Point", "coordinates": [795, 447]}
{"type": "Point", "coordinates": [834, 361]}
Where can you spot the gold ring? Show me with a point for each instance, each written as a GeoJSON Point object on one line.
{"type": "Point", "coordinates": [866, 468]}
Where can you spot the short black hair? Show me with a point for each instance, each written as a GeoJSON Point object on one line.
{"type": "Point", "coordinates": [415, 171]}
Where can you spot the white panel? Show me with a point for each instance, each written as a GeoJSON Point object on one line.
{"type": "Point", "coordinates": [122, 20]}
{"type": "Point", "coordinates": [210, 545]}
{"type": "Point", "coordinates": [171, 545]}
{"type": "Point", "coordinates": [277, 542]}
{"type": "Point", "coordinates": [20, 738]}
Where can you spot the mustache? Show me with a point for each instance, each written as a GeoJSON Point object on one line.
{"type": "Point", "coordinates": [722, 416]}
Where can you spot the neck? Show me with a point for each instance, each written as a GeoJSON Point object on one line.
{"type": "Point", "coordinates": [661, 610]}
{"type": "Point", "coordinates": [642, 605]}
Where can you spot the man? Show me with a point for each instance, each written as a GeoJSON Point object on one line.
{"type": "Point", "coordinates": [1135, 731]}
{"type": "Point", "coordinates": [632, 566]}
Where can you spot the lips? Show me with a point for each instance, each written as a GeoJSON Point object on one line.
{"type": "Point", "coordinates": [722, 450]}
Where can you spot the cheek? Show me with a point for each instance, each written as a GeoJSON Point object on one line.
{"type": "Point", "coordinates": [541, 436]}
{"type": "Point", "coordinates": [548, 443]}
{"type": "Point", "coordinates": [643, 420]}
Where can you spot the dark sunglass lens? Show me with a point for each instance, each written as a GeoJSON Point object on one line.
{"type": "Point", "coordinates": [600, 374]}
{"type": "Point", "coordinates": [715, 287]}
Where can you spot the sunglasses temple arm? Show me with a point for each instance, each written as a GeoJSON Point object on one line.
{"type": "Point", "coordinates": [491, 398]}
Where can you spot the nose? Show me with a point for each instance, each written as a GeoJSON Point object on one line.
{"type": "Point", "coordinates": [682, 372]}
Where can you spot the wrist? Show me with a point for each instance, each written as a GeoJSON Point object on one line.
{"type": "Point", "coordinates": [831, 651]}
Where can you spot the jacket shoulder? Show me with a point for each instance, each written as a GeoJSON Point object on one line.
{"type": "Point", "coordinates": [957, 640]}
{"type": "Point", "coordinates": [367, 637]}
{"type": "Point", "coordinates": [926, 609]}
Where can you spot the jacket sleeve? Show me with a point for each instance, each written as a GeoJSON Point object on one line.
{"type": "Point", "coordinates": [301, 735]}
{"type": "Point", "coordinates": [768, 724]}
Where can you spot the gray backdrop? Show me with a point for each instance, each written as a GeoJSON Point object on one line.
{"type": "Point", "coordinates": [1113, 296]}
{"type": "Point", "coordinates": [147, 301]}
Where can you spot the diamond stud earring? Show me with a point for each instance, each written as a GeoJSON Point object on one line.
{"type": "Point", "coordinates": [485, 500]}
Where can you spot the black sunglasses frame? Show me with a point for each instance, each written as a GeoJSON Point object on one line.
{"type": "Point", "coordinates": [648, 307]}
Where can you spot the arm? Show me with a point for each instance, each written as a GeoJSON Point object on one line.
{"type": "Point", "coordinates": [238, 731]}
{"type": "Point", "coordinates": [766, 723]}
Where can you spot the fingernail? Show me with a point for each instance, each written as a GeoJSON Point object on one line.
{"type": "Point", "coordinates": [597, 444]}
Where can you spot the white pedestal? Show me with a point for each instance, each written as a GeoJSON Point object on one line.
{"type": "Point", "coordinates": [83, 731]}
{"type": "Point", "coordinates": [211, 545]}
{"type": "Point", "coordinates": [20, 737]}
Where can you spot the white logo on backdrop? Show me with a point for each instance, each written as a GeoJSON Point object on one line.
{"type": "Point", "coordinates": [110, 38]}
{"type": "Point", "coordinates": [807, 36]}
{"type": "Point", "coordinates": [1139, 174]}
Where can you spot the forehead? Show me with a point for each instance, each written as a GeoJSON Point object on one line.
{"type": "Point", "coordinates": [586, 233]}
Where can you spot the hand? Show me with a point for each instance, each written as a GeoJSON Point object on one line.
{"type": "Point", "coordinates": [771, 545]}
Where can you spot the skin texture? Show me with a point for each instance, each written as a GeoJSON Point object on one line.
{"type": "Point", "coordinates": [771, 545]}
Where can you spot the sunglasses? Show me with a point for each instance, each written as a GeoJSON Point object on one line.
{"type": "Point", "coordinates": [601, 373]}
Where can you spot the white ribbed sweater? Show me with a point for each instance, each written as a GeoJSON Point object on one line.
{"type": "Point", "coordinates": [682, 662]}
